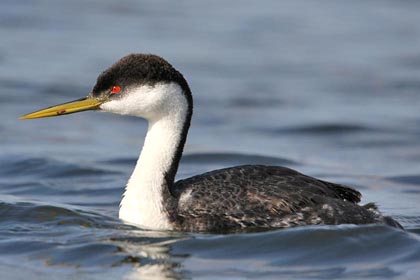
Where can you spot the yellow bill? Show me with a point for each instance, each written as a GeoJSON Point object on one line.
{"type": "Point", "coordinates": [71, 107]}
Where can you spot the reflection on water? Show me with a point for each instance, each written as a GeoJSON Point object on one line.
{"type": "Point", "coordinates": [150, 254]}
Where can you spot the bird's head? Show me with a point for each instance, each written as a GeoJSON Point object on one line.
{"type": "Point", "coordinates": [141, 85]}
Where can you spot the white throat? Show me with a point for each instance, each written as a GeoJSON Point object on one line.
{"type": "Point", "coordinates": [146, 195]}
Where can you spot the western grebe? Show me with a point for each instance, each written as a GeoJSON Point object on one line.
{"type": "Point", "coordinates": [250, 197]}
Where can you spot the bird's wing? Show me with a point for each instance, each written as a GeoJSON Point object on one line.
{"type": "Point", "coordinates": [272, 181]}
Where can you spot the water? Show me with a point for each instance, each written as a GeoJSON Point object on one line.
{"type": "Point", "coordinates": [329, 88]}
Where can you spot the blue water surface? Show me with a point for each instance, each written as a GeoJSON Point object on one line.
{"type": "Point", "coordinates": [330, 88]}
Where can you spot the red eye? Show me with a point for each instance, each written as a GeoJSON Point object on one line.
{"type": "Point", "coordinates": [115, 89]}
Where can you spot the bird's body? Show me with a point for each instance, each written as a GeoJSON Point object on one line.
{"type": "Point", "coordinates": [255, 197]}
{"type": "Point", "coordinates": [251, 197]}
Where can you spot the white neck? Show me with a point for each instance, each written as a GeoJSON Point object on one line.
{"type": "Point", "coordinates": [147, 193]}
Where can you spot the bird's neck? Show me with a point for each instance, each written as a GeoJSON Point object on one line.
{"type": "Point", "coordinates": [147, 200]}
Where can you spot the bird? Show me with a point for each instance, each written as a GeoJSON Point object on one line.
{"type": "Point", "coordinates": [243, 198]}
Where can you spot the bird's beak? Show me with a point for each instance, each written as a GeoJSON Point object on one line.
{"type": "Point", "coordinates": [71, 107]}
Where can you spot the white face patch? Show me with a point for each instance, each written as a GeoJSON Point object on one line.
{"type": "Point", "coordinates": [149, 102]}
